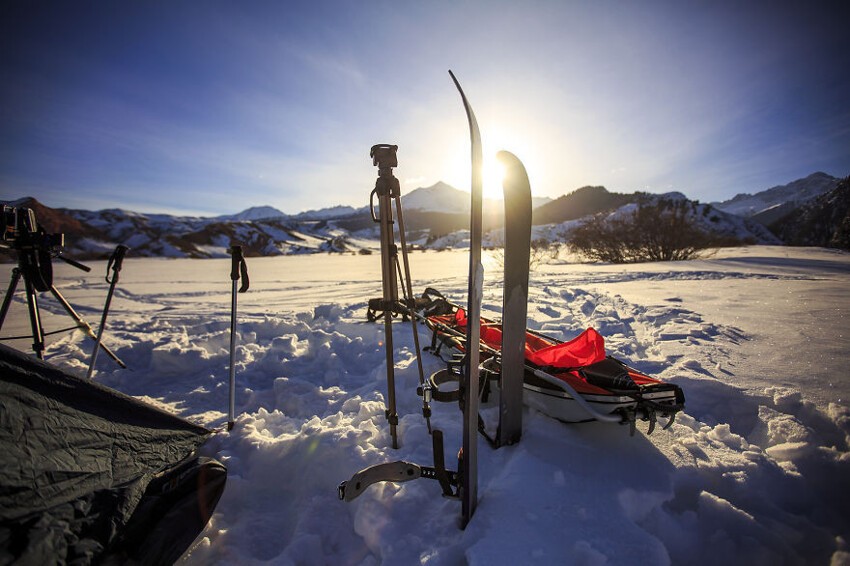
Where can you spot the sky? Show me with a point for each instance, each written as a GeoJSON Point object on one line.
{"type": "Point", "coordinates": [211, 107]}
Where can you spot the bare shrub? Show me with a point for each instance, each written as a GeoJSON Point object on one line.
{"type": "Point", "coordinates": [542, 251]}
{"type": "Point", "coordinates": [662, 230]}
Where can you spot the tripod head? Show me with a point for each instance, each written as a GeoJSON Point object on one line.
{"type": "Point", "coordinates": [384, 157]}
{"type": "Point", "coordinates": [34, 247]}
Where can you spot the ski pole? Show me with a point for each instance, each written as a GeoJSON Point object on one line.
{"type": "Point", "coordinates": [238, 268]}
{"type": "Point", "coordinates": [114, 264]}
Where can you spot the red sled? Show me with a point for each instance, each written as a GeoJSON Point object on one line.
{"type": "Point", "coordinates": [573, 381]}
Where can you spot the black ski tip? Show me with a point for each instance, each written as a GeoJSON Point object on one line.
{"type": "Point", "coordinates": [516, 177]}
{"type": "Point", "coordinates": [512, 163]}
{"type": "Point", "coordinates": [460, 90]}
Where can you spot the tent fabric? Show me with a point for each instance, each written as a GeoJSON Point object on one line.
{"type": "Point", "coordinates": [87, 473]}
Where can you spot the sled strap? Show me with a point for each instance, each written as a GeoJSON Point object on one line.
{"type": "Point", "coordinates": [440, 472]}
{"type": "Point", "coordinates": [435, 346]}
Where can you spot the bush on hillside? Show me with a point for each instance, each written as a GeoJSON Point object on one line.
{"type": "Point", "coordinates": [661, 230]}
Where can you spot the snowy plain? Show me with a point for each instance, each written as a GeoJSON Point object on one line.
{"type": "Point", "coordinates": [755, 471]}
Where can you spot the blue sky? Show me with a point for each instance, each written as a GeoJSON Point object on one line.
{"type": "Point", "coordinates": [209, 107]}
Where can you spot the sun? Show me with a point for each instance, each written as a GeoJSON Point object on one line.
{"type": "Point", "coordinates": [493, 174]}
{"type": "Point", "coordinates": [456, 166]}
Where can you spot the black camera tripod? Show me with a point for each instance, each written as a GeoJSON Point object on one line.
{"type": "Point", "coordinates": [34, 265]}
{"type": "Point", "coordinates": [388, 190]}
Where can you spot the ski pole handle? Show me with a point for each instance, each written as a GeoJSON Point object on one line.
{"type": "Point", "coordinates": [115, 262]}
{"type": "Point", "coordinates": [239, 268]}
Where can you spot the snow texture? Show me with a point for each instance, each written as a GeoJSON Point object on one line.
{"type": "Point", "coordinates": [755, 471]}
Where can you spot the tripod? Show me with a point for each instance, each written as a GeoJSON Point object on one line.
{"type": "Point", "coordinates": [387, 190]}
{"type": "Point", "coordinates": [37, 272]}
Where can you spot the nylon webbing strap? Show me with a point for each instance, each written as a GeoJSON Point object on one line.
{"type": "Point", "coordinates": [441, 474]}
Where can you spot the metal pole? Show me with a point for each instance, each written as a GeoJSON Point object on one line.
{"type": "Point", "coordinates": [115, 262]}
{"type": "Point", "coordinates": [7, 300]}
{"type": "Point", "coordinates": [238, 267]}
{"type": "Point", "coordinates": [389, 257]}
{"type": "Point", "coordinates": [408, 292]}
{"type": "Point", "coordinates": [83, 325]}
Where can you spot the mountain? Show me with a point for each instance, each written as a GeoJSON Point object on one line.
{"type": "Point", "coordinates": [442, 197]}
{"type": "Point", "coordinates": [772, 204]}
{"type": "Point", "coordinates": [94, 234]}
{"type": "Point", "coordinates": [579, 203]}
{"type": "Point", "coordinates": [58, 221]}
{"type": "Point", "coordinates": [327, 213]}
{"type": "Point", "coordinates": [822, 221]}
{"type": "Point", "coordinates": [727, 229]}
{"type": "Point", "coordinates": [435, 216]}
{"type": "Point", "coordinates": [439, 197]}
{"type": "Point", "coordinates": [253, 213]}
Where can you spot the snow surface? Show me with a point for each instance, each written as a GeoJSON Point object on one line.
{"type": "Point", "coordinates": [756, 470]}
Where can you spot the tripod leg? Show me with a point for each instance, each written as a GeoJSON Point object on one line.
{"type": "Point", "coordinates": [35, 320]}
{"type": "Point", "coordinates": [83, 325]}
{"type": "Point", "coordinates": [407, 291]}
{"type": "Point", "coordinates": [7, 300]}
{"type": "Point", "coordinates": [390, 297]}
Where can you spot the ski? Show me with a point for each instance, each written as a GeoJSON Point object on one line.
{"type": "Point", "coordinates": [517, 192]}
{"type": "Point", "coordinates": [462, 484]}
{"type": "Point", "coordinates": [470, 380]}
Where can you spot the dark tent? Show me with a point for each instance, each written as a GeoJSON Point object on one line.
{"type": "Point", "coordinates": [90, 475]}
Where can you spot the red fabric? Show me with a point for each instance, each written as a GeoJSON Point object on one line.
{"type": "Point", "coordinates": [585, 349]}
{"type": "Point", "coordinates": [460, 318]}
{"type": "Point", "coordinates": [491, 333]}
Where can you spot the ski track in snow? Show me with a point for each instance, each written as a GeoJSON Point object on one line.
{"type": "Point", "coordinates": [749, 474]}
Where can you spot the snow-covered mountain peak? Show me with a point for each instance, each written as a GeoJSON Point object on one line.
{"type": "Point", "coordinates": [673, 195]}
{"type": "Point", "coordinates": [326, 213]}
{"type": "Point", "coordinates": [795, 192]}
{"type": "Point", "coordinates": [253, 213]}
{"type": "Point", "coordinates": [439, 197]}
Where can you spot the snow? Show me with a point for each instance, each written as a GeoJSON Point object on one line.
{"type": "Point", "coordinates": [755, 471]}
{"type": "Point", "coordinates": [795, 192]}
{"type": "Point", "coordinates": [253, 213]}
{"type": "Point", "coordinates": [328, 213]}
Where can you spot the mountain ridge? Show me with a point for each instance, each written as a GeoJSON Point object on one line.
{"type": "Point", "coordinates": [435, 216]}
{"type": "Point", "coordinates": [782, 198]}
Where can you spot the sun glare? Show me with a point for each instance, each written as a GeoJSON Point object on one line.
{"type": "Point", "coordinates": [457, 171]}
{"type": "Point", "coordinates": [492, 176]}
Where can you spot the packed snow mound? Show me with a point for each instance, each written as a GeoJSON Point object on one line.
{"type": "Point", "coordinates": [756, 469]}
